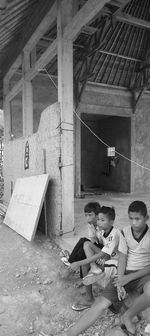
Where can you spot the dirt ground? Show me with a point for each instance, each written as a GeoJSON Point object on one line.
{"type": "Point", "coordinates": [35, 293]}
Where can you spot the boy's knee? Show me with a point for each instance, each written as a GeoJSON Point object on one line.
{"type": "Point", "coordinates": [86, 245]}
{"type": "Point", "coordinates": [147, 290]}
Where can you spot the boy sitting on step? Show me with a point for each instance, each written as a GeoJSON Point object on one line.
{"type": "Point", "coordinates": [102, 261]}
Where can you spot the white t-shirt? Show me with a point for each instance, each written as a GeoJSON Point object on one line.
{"type": "Point", "coordinates": [138, 256]}
{"type": "Point", "coordinates": [113, 243]}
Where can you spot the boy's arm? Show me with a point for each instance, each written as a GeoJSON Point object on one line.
{"type": "Point", "coordinates": [100, 255]}
{"type": "Point", "coordinates": [122, 260]}
{"type": "Point", "coordinates": [122, 280]}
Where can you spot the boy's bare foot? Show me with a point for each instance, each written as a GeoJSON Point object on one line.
{"type": "Point", "coordinates": [127, 324]}
{"type": "Point", "coordinates": [91, 278]}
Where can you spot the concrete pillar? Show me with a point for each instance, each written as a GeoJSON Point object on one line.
{"type": "Point", "coordinates": [27, 101]}
{"type": "Point", "coordinates": [65, 97]}
{"type": "Point", "coordinates": [77, 156]}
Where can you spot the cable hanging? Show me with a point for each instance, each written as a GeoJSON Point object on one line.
{"type": "Point", "coordinates": [103, 142]}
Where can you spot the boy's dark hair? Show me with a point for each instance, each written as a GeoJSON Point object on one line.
{"type": "Point", "coordinates": [92, 207]}
{"type": "Point", "coordinates": [110, 212]}
{"type": "Point", "coordinates": [138, 206]}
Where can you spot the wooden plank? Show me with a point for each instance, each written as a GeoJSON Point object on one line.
{"type": "Point", "coordinates": [65, 97]}
{"type": "Point", "coordinates": [126, 18]}
{"type": "Point", "coordinates": [26, 204]}
{"type": "Point", "coordinates": [12, 70]}
{"type": "Point", "coordinates": [15, 90]}
{"type": "Point", "coordinates": [105, 110]}
{"type": "Point", "coordinates": [83, 16]}
{"type": "Point", "coordinates": [45, 58]}
{"type": "Point", "coordinates": [45, 205]}
{"type": "Point", "coordinates": [27, 98]}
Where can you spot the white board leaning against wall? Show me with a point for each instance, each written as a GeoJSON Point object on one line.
{"type": "Point", "coordinates": [26, 204]}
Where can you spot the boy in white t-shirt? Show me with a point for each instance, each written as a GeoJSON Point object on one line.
{"type": "Point", "coordinates": [133, 273]}
{"type": "Point", "coordinates": [105, 258]}
{"type": "Point", "coordinates": [91, 211]}
{"type": "Point", "coordinates": [113, 244]}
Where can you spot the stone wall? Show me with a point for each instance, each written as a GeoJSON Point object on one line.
{"type": "Point", "coordinates": [46, 140]}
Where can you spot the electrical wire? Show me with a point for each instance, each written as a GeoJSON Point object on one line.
{"type": "Point", "coordinates": [103, 142]}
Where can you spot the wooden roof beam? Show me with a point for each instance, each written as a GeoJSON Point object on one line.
{"type": "Point", "coordinates": [83, 17]}
{"type": "Point", "coordinates": [126, 18]}
{"type": "Point", "coordinates": [45, 58]}
{"type": "Point", "coordinates": [42, 28]}
{"type": "Point", "coordinates": [41, 63]}
{"type": "Point", "coordinates": [38, 33]}
{"type": "Point", "coordinates": [120, 56]}
{"type": "Point", "coordinates": [11, 72]}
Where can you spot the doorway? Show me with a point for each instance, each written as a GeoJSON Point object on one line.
{"type": "Point", "coordinates": [99, 171]}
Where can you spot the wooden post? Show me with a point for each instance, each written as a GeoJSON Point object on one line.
{"type": "Point", "coordinates": [27, 100]}
{"type": "Point", "coordinates": [77, 156]}
{"type": "Point", "coordinates": [7, 113]}
{"type": "Point", "coordinates": [65, 97]}
{"type": "Point", "coordinates": [7, 120]}
{"type": "Point", "coordinates": [45, 205]}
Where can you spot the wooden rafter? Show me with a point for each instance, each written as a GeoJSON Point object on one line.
{"type": "Point", "coordinates": [126, 18]}
{"type": "Point", "coordinates": [84, 71]}
{"type": "Point", "coordinates": [83, 17]}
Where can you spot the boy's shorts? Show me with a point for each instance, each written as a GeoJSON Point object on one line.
{"type": "Point", "coordinates": [110, 292]}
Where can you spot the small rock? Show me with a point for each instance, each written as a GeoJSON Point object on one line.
{"type": "Point", "coordinates": [147, 329]}
{"type": "Point", "coordinates": [18, 275]}
{"type": "Point", "coordinates": [31, 329]}
{"type": "Point", "coordinates": [47, 282]}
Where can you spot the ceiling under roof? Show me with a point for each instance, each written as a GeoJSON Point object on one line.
{"type": "Point", "coordinates": [113, 49]}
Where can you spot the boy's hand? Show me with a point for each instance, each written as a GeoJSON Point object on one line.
{"type": "Point", "coordinates": [100, 262]}
{"type": "Point", "coordinates": [121, 293]}
{"type": "Point", "coordinates": [74, 266]}
{"type": "Point", "coordinates": [121, 280]}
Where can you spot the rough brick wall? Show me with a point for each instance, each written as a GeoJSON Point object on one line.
{"type": "Point", "coordinates": [46, 140]}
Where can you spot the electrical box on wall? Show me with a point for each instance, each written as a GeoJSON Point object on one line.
{"type": "Point", "coordinates": [111, 151]}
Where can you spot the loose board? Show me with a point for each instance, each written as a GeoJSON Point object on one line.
{"type": "Point", "coordinates": [26, 204]}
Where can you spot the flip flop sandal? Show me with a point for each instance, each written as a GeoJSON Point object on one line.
{"type": "Point", "coordinates": [126, 331]}
{"type": "Point", "coordinates": [65, 261]}
{"type": "Point", "coordinates": [91, 278]}
{"type": "Point", "coordinates": [80, 306]}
